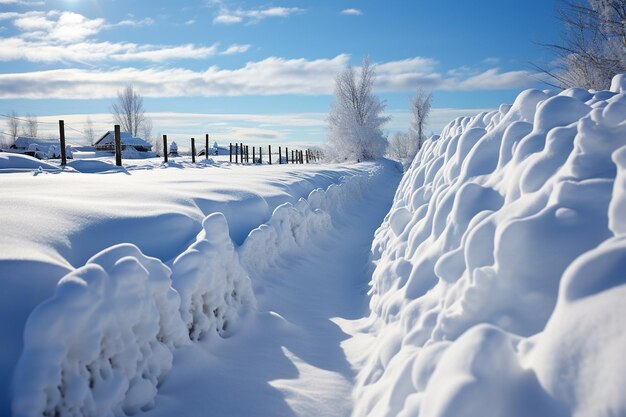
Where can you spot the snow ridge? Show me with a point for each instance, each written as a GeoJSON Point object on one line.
{"type": "Point", "coordinates": [106, 339]}
{"type": "Point", "coordinates": [501, 265]}
{"type": "Point", "coordinates": [291, 225]}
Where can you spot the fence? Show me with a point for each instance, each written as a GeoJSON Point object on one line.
{"type": "Point", "coordinates": [238, 151]}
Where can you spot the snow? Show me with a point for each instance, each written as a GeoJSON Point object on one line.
{"type": "Point", "coordinates": [496, 280]}
{"type": "Point", "coordinates": [11, 163]}
{"type": "Point", "coordinates": [161, 216]}
{"type": "Point", "coordinates": [213, 286]}
{"type": "Point", "coordinates": [499, 280]}
{"type": "Point", "coordinates": [103, 342]}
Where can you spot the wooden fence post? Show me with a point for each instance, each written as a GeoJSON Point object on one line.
{"type": "Point", "coordinates": [193, 150]}
{"type": "Point", "coordinates": [292, 161]}
{"type": "Point", "coordinates": [236, 153]}
{"type": "Point", "coordinates": [206, 147]}
{"type": "Point", "coordinates": [62, 142]}
{"type": "Point", "coordinates": [230, 152]}
{"type": "Point", "coordinates": [286, 155]}
{"type": "Point", "coordinates": [164, 148]}
{"type": "Point", "coordinates": [269, 153]}
{"type": "Point", "coordinates": [118, 146]}
{"type": "Point", "coordinates": [254, 154]}
{"type": "Point", "coordinates": [280, 155]}
{"type": "Point", "coordinates": [260, 155]}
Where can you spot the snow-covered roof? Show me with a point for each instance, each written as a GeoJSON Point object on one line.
{"type": "Point", "coordinates": [125, 137]}
{"type": "Point", "coordinates": [25, 141]}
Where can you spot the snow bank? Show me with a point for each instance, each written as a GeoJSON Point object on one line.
{"type": "Point", "coordinates": [213, 286]}
{"type": "Point", "coordinates": [500, 270]}
{"type": "Point", "coordinates": [291, 225]}
{"type": "Point", "coordinates": [101, 344]}
{"type": "Point", "coordinates": [12, 162]}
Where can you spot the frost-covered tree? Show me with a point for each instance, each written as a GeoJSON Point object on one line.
{"type": "Point", "coordinates": [593, 45]}
{"type": "Point", "coordinates": [356, 116]}
{"type": "Point", "coordinates": [128, 111]}
{"type": "Point", "coordinates": [420, 109]}
{"type": "Point", "coordinates": [13, 124]}
{"type": "Point", "coordinates": [31, 126]}
{"type": "Point", "coordinates": [402, 147]}
{"type": "Point", "coordinates": [89, 132]}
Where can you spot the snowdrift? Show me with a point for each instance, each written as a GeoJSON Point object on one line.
{"type": "Point", "coordinates": [291, 225]}
{"type": "Point", "coordinates": [500, 272]}
{"type": "Point", "coordinates": [106, 339]}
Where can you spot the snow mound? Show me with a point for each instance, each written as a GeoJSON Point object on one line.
{"type": "Point", "coordinates": [213, 286]}
{"type": "Point", "coordinates": [500, 269]}
{"type": "Point", "coordinates": [12, 162]}
{"type": "Point", "coordinates": [291, 225]}
{"type": "Point", "coordinates": [101, 344]}
{"type": "Point", "coordinates": [93, 166]}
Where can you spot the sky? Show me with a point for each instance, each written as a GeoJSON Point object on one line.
{"type": "Point", "coordinates": [263, 71]}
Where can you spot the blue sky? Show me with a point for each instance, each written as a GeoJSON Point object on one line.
{"type": "Point", "coordinates": [263, 70]}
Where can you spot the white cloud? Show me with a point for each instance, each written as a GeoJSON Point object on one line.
{"type": "Point", "coordinates": [148, 21]}
{"type": "Point", "coordinates": [66, 37]}
{"type": "Point", "coordinates": [353, 12]}
{"type": "Point", "coordinates": [235, 49]}
{"type": "Point", "coordinates": [227, 19]}
{"type": "Point", "coordinates": [93, 52]}
{"type": "Point", "coordinates": [24, 2]}
{"type": "Point", "coordinates": [227, 16]}
{"type": "Point", "coordinates": [271, 76]}
{"type": "Point", "coordinates": [55, 25]}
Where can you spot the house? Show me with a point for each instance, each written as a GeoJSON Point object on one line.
{"type": "Point", "coordinates": [107, 142]}
{"type": "Point", "coordinates": [37, 147]}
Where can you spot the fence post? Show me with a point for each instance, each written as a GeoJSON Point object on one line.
{"type": "Point", "coordinates": [230, 152]}
{"type": "Point", "coordinates": [118, 146]}
{"type": "Point", "coordinates": [269, 154]}
{"type": "Point", "coordinates": [62, 142]}
{"type": "Point", "coordinates": [193, 150]}
{"type": "Point", "coordinates": [286, 155]}
{"type": "Point", "coordinates": [254, 154]}
{"type": "Point", "coordinates": [260, 155]}
{"type": "Point", "coordinates": [247, 154]}
{"type": "Point", "coordinates": [206, 147]}
{"type": "Point", "coordinates": [236, 153]}
{"type": "Point", "coordinates": [164, 148]}
{"type": "Point", "coordinates": [280, 155]}
{"type": "Point", "coordinates": [292, 156]}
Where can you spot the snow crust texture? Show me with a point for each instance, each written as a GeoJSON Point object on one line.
{"type": "Point", "coordinates": [105, 341]}
{"type": "Point", "coordinates": [501, 268]}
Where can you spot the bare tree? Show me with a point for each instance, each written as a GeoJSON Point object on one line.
{"type": "Point", "coordinates": [593, 46]}
{"type": "Point", "coordinates": [31, 126]}
{"type": "Point", "coordinates": [355, 119]}
{"type": "Point", "coordinates": [128, 111]}
{"type": "Point", "coordinates": [420, 109]}
{"type": "Point", "coordinates": [13, 122]}
{"type": "Point", "coordinates": [158, 144]}
{"type": "Point", "coordinates": [89, 132]}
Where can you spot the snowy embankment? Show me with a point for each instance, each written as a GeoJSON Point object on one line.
{"type": "Point", "coordinates": [103, 343]}
{"type": "Point", "coordinates": [501, 269]}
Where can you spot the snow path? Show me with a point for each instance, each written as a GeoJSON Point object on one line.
{"type": "Point", "coordinates": [292, 358]}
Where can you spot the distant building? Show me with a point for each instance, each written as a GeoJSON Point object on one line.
{"type": "Point", "coordinates": [107, 142]}
{"type": "Point", "coordinates": [38, 147]}
{"type": "Point", "coordinates": [25, 143]}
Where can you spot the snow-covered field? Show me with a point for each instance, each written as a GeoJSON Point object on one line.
{"type": "Point", "coordinates": [114, 299]}
{"type": "Point", "coordinates": [501, 269]}
{"type": "Point", "coordinates": [498, 278]}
